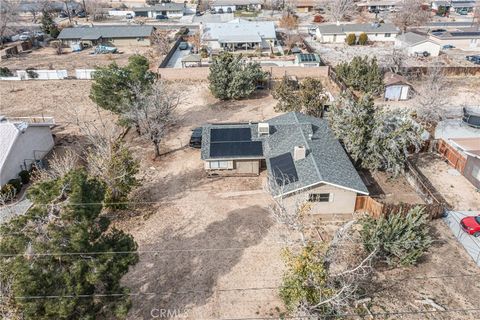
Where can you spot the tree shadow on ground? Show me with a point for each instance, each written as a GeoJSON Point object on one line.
{"type": "Point", "coordinates": [187, 277]}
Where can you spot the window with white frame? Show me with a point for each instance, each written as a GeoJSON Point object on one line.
{"type": "Point", "coordinates": [221, 165]}
{"type": "Point", "coordinates": [476, 172]}
{"type": "Point", "coordinates": [320, 197]}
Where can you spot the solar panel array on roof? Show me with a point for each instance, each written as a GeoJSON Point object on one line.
{"type": "Point", "coordinates": [308, 57]}
{"type": "Point", "coordinates": [466, 33]}
{"type": "Point", "coordinates": [234, 142]}
{"type": "Point", "coordinates": [283, 169]}
{"type": "Point", "coordinates": [236, 149]}
{"type": "Point", "coordinates": [230, 134]}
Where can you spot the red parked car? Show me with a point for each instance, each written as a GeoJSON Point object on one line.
{"type": "Point", "coordinates": [471, 225]}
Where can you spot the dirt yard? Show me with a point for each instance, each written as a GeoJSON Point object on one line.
{"type": "Point", "coordinates": [46, 58]}
{"type": "Point", "coordinates": [208, 248]}
{"type": "Point", "coordinates": [454, 188]}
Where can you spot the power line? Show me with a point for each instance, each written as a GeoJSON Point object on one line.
{"type": "Point", "coordinates": [167, 293]}
{"type": "Point", "coordinates": [44, 254]}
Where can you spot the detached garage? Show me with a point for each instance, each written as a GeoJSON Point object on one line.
{"type": "Point", "coordinates": [396, 87]}
{"type": "Point", "coordinates": [415, 44]}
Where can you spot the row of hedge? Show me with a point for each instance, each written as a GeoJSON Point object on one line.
{"type": "Point", "coordinates": [351, 39]}
{"type": "Point", "coordinates": [15, 185]}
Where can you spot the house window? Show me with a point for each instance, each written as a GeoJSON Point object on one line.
{"type": "Point", "coordinates": [320, 197]}
{"type": "Point", "coordinates": [141, 39]}
{"type": "Point", "coordinates": [388, 35]}
{"type": "Point", "coordinates": [221, 165]}
{"type": "Point", "coordinates": [476, 172]}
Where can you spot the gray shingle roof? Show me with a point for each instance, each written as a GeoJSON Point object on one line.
{"type": "Point", "coordinates": [105, 32]}
{"type": "Point", "coordinates": [412, 38]}
{"type": "Point", "coordinates": [240, 30]}
{"type": "Point", "coordinates": [358, 27]}
{"type": "Point", "coordinates": [325, 160]}
{"type": "Point", "coordinates": [171, 6]}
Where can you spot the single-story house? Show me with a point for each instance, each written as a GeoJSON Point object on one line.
{"type": "Point", "coordinates": [300, 153]}
{"type": "Point", "coordinates": [229, 6]}
{"type": "Point", "coordinates": [464, 5]}
{"type": "Point", "coordinates": [307, 60]}
{"type": "Point", "coordinates": [416, 44]}
{"type": "Point", "coordinates": [115, 35]}
{"type": "Point", "coordinates": [336, 33]}
{"type": "Point", "coordinates": [380, 5]}
{"type": "Point", "coordinates": [465, 39]}
{"type": "Point", "coordinates": [170, 9]}
{"type": "Point", "coordinates": [239, 34]}
{"type": "Point", "coordinates": [24, 142]}
{"type": "Point", "coordinates": [396, 87]}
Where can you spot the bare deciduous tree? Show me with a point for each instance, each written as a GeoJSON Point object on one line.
{"type": "Point", "coordinates": [8, 14]}
{"type": "Point", "coordinates": [160, 42]}
{"type": "Point", "coordinates": [96, 9]}
{"type": "Point", "coordinates": [153, 112]}
{"type": "Point", "coordinates": [411, 13]}
{"type": "Point", "coordinates": [290, 211]}
{"type": "Point", "coordinates": [432, 96]}
{"type": "Point", "coordinates": [58, 166]}
{"type": "Point", "coordinates": [338, 9]}
{"type": "Point", "coordinates": [396, 61]}
{"type": "Point", "coordinates": [195, 39]}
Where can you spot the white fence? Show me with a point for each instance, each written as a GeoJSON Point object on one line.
{"type": "Point", "coordinates": [84, 74]}
{"type": "Point", "coordinates": [119, 13]}
{"type": "Point", "coordinates": [43, 74]}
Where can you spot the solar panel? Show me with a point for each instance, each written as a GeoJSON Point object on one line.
{"type": "Point", "coordinates": [466, 33]}
{"type": "Point", "coordinates": [307, 57]}
{"type": "Point", "coordinates": [236, 149]}
{"type": "Point", "coordinates": [230, 134]}
{"type": "Point", "coordinates": [283, 169]}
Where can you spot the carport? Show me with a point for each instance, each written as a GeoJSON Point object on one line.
{"type": "Point", "coordinates": [469, 242]}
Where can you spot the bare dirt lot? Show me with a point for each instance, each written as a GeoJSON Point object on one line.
{"type": "Point", "coordinates": [46, 58]}
{"type": "Point", "coordinates": [208, 248]}
{"type": "Point", "coordinates": [454, 187]}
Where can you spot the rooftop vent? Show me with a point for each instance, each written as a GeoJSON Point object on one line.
{"type": "Point", "coordinates": [263, 129]}
{"type": "Point", "coordinates": [299, 153]}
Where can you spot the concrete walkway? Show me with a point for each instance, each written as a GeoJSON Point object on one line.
{"type": "Point", "coordinates": [470, 243]}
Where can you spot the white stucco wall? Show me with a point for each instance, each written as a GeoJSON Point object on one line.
{"type": "Point", "coordinates": [217, 7]}
{"type": "Point", "coordinates": [340, 38]}
{"type": "Point", "coordinates": [342, 200]}
{"type": "Point", "coordinates": [463, 44]}
{"type": "Point", "coordinates": [430, 47]}
{"type": "Point", "coordinates": [33, 144]}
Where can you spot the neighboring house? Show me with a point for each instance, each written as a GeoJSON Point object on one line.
{"type": "Point", "coordinates": [465, 6]}
{"type": "Point", "coordinates": [469, 148]}
{"type": "Point", "coordinates": [239, 34]}
{"type": "Point", "coordinates": [114, 35]}
{"type": "Point", "coordinates": [385, 5]}
{"type": "Point", "coordinates": [300, 153]}
{"type": "Point", "coordinates": [23, 142]}
{"type": "Point", "coordinates": [416, 44]}
{"type": "Point", "coordinates": [459, 143]}
{"type": "Point", "coordinates": [170, 9]}
{"type": "Point", "coordinates": [396, 87]}
{"type": "Point", "coordinates": [336, 33]}
{"type": "Point", "coordinates": [464, 39]}
{"type": "Point", "coordinates": [229, 6]}
{"type": "Point", "coordinates": [437, 5]}
{"type": "Point", "coordinates": [305, 5]}
{"type": "Point", "coordinates": [307, 60]}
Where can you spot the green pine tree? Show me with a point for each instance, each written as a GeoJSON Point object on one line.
{"type": "Point", "coordinates": [232, 78]}
{"type": "Point", "coordinates": [66, 224]}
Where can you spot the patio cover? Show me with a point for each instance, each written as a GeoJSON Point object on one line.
{"type": "Point", "coordinates": [255, 38]}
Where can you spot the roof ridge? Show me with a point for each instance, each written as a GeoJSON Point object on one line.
{"type": "Point", "coordinates": [308, 145]}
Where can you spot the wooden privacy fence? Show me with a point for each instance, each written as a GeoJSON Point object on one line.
{"type": "Point", "coordinates": [379, 209]}
{"type": "Point", "coordinates": [454, 158]}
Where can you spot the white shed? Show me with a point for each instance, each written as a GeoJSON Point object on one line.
{"type": "Point", "coordinates": [416, 44]}
{"type": "Point", "coordinates": [23, 142]}
{"type": "Point", "coordinates": [396, 87]}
